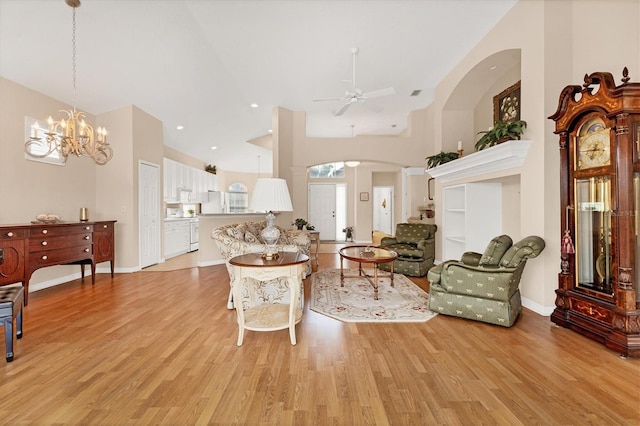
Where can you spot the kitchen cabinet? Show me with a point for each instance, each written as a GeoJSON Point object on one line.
{"type": "Point", "coordinates": [170, 181]}
{"type": "Point", "coordinates": [180, 176]}
{"type": "Point", "coordinates": [176, 237]}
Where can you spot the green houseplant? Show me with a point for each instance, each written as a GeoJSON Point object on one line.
{"type": "Point", "coordinates": [211, 169]}
{"type": "Point", "coordinates": [502, 131]}
{"type": "Point", "coordinates": [441, 158]}
{"type": "Point", "coordinates": [299, 222]}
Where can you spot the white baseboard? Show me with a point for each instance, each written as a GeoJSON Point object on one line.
{"type": "Point", "coordinates": [545, 311]}
{"type": "Point", "coordinates": [57, 281]}
{"type": "Point", "coordinates": [87, 275]}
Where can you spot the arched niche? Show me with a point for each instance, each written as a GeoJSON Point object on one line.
{"type": "Point", "coordinates": [469, 108]}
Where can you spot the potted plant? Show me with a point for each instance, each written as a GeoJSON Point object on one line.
{"type": "Point", "coordinates": [310, 227]}
{"type": "Point", "coordinates": [501, 132]}
{"type": "Point", "coordinates": [209, 168]}
{"type": "Point", "coordinates": [441, 158]}
{"type": "Point", "coordinates": [299, 222]}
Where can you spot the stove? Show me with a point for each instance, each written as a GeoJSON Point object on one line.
{"type": "Point", "coordinates": [194, 231]}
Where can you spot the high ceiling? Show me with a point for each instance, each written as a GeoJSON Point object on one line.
{"type": "Point", "coordinates": [201, 64]}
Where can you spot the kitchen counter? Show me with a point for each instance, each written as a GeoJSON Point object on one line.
{"type": "Point", "coordinates": [175, 219]}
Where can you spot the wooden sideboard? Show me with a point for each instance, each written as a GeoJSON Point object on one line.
{"type": "Point", "coordinates": [33, 246]}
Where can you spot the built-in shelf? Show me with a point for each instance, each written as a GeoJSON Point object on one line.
{"type": "Point", "coordinates": [498, 158]}
{"type": "Point", "coordinates": [472, 216]}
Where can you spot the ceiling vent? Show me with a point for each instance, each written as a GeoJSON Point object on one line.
{"type": "Point", "coordinates": [415, 93]}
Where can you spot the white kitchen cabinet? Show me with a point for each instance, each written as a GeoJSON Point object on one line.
{"type": "Point", "coordinates": [472, 216]}
{"type": "Point", "coordinates": [170, 181]}
{"type": "Point", "coordinates": [212, 182]}
{"type": "Point", "coordinates": [180, 176]}
{"type": "Point", "coordinates": [176, 238]}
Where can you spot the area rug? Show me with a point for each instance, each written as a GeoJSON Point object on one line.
{"type": "Point", "coordinates": [405, 302]}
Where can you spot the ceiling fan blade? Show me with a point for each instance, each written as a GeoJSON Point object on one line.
{"type": "Point", "coordinates": [378, 93]}
{"type": "Point", "coordinates": [328, 99]}
{"type": "Point", "coordinates": [343, 109]}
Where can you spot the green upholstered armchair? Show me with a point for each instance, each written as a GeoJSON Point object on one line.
{"type": "Point", "coordinates": [415, 244]}
{"type": "Point", "coordinates": [483, 287]}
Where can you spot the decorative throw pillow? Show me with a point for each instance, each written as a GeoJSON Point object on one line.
{"type": "Point", "coordinates": [236, 232]}
{"type": "Point", "coordinates": [250, 238]}
{"type": "Point", "coordinates": [254, 228]}
{"type": "Point", "coordinates": [495, 250]}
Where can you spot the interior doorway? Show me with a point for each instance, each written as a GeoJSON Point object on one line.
{"type": "Point", "coordinates": [327, 209]}
{"type": "Point", "coordinates": [383, 209]}
{"type": "Point", "coordinates": [149, 213]}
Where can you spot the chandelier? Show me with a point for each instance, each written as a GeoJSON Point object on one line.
{"type": "Point", "coordinates": [70, 135]}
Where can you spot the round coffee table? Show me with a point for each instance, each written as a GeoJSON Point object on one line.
{"type": "Point", "coordinates": [367, 254]}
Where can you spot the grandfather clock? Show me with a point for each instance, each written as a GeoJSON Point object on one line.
{"type": "Point", "coordinates": [598, 286]}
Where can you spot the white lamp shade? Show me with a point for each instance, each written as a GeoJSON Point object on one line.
{"type": "Point", "coordinates": [271, 195]}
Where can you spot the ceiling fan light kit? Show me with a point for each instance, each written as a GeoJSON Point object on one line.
{"type": "Point", "coordinates": [357, 94]}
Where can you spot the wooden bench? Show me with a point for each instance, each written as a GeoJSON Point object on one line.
{"type": "Point", "coordinates": [11, 303]}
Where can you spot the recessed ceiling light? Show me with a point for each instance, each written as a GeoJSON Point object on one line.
{"type": "Point", "coordinates": [270, 131]}
{"type": "Point", "coordinates": [254, 105]}
{"type": "Point", "coordinates": [214, 147]}
{"type": "Point", "coordinates": [180, 127]}
{"type": "Point", "coordinates": [493, 67]}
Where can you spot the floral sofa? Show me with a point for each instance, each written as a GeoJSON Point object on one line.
{"type": "Point", "coordinates": [483, 287]}
{"type": "Point", "coordinates": [241, 238]}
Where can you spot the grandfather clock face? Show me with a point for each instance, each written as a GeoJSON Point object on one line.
{"type": "Point", "coordinates": [593, 145]}
{"type": "Point", "coordinates": [592, 195]}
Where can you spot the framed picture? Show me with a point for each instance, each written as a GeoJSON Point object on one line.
{"type": "Point", "coordinates": [364, 196]}
{"type": "Point", "coordinates": [506, 104]}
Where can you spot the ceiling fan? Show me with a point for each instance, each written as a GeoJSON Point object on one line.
{"type": "Point", "coordinates": [357, 94]}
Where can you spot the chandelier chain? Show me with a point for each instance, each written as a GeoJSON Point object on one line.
{"type": "Point", "coordinates": [73, 57]}
{"type": "Point", "coordinates": [71, 135]}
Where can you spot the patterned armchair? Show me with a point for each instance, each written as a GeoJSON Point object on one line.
{"type": "Point", "coordinates": [241, 238]}
{"type": "Point", "coordinates": [415, 244]}
{"type": "Point", "coordinates": [483, 287]}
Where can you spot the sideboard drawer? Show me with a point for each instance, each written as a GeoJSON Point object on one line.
{"type": "Point", "coordinates": [103, 226]}
{"type": "Point", "coordinates": [48, 243]}
{"type": "Point", "coordinates": [53, 231]}
{"type": "Point", "coordinates": [56, 257]}
{"type": "Point", "coordinates": [13, 234]}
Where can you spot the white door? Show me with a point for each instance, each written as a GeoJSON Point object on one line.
{"type": "Point", "coordinates": [322, 209]}
{"type": "Point", "coordinates": [383, 209]}
{"type": "Point", "coordinates": [149, 213]}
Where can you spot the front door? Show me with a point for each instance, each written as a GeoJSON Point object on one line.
{"type": "Point", "coordinates": [322, 209]}
{"type": "Point", "coordinates": [149, 214]}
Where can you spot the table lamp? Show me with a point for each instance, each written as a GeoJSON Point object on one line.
{"type": "Point", "coordinates": [271, 194]}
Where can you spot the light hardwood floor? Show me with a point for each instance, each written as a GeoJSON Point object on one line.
{"type": "Point", "coordinates": [160, 348]}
